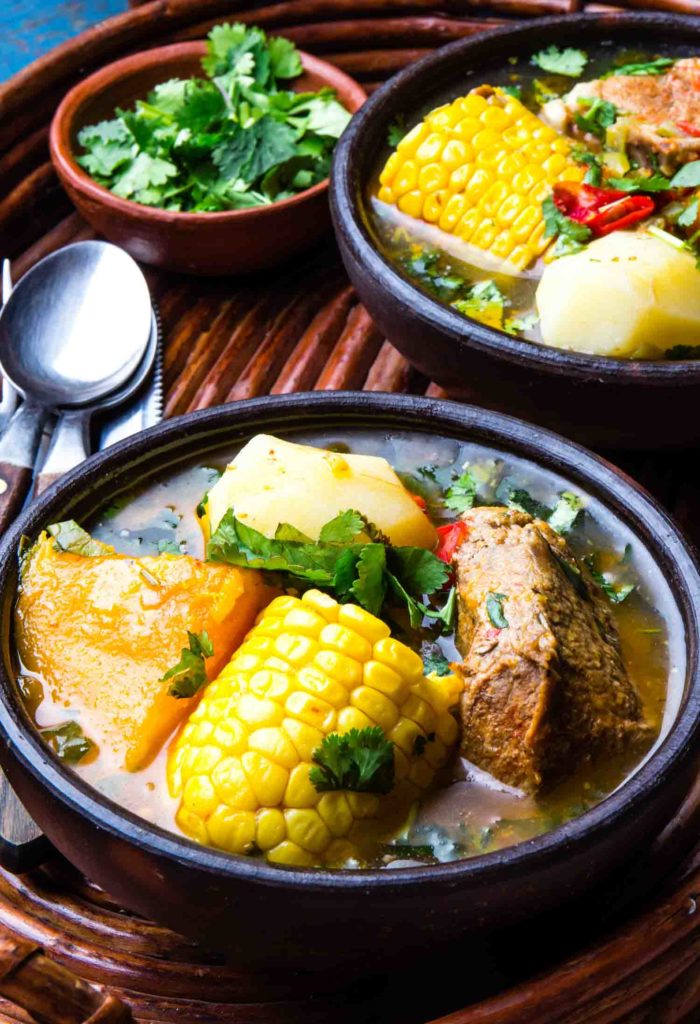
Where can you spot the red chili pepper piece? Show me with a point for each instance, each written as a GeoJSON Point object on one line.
{"type": "Point", "coordinates": [601, 209]}
{"type": "Point", "coordinates": [688, 128]}
{"type": "Point", "coordinates": [451, 537]}
{"type": "Point", "coordinates": [420, 502]}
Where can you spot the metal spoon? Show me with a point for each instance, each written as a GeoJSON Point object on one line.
{"type": "Point", "coordinates": [73, 332]}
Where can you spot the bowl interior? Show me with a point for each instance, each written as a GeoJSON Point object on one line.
{"type": "Point", "coordinates": [666, 565]}
{"type": "Point", "coordinates": [450, 72]}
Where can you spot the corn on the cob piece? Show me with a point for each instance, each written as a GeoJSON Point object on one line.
{"type": "Point", "coordinates": [308, 668]}
{"type": "Point", "coordinates": [479, 168]}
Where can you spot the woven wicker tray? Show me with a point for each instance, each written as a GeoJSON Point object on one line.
{"type": "Point", "coordinates": [297, 330]}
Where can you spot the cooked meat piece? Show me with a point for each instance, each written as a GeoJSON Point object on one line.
{"type": "Point", "coordinates": [656, 109]}
{"type": "Point", "coordinates": [549, 689]}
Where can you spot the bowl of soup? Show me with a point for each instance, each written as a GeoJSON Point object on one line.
{"type": "Point", "coordinates": [518, 213]}
{"type": "Point", "coordinates": [388, 661]}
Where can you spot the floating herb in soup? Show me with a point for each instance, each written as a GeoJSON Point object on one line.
{"type": "Point", "coordinates": [376, 652]}
{"type": "Point", "coordinates": [558, 202]}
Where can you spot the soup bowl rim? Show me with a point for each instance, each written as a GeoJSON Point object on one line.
{"type": "Point", "coordinates": [625, 499]}
{"type": "Point", "coordinates": [350, 206]}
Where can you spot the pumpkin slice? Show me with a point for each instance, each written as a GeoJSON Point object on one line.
{"type": "Point", "coordinates": [100, 632]}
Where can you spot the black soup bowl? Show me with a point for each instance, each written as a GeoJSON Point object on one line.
{"type": "Point", "coordinates": [603, 402]}
{"type": "Point", "coordinates": [264, 915]}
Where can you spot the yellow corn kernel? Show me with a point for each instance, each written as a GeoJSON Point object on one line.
{"type": "Point", "coordinates": [256, 712]}
{"type": "Point", "coordinates": [200, 796]}
{"type": "Point", "coordinates": [431, 148]}
{"type": "Point", "coordinates": [411, 203]}
{"type": "Point", "coordinates": [274, 744]}
{"type": "Point", "coordinates": [447, 729]}
{"type": "Point", "coordinates": [509, 209]}
{"type": "Point", "coordinates": [311, 710]}
{"type": "Point", "coordinates": [290, 854]}
{"type": "Point", "coordinates": [267, 779]}
{"type": "Point", "coordinates": [376, 706]}
{"type": "Point", "coordinates": [346, 641]}
{"type": "Point", "coordinates": [362, 622]}
{"type": "Point", "coordinates": [386, 680]}
{"type": "Point", "coordinates": [306, 738]}
{"type": "Point", "coordinates": [320, 685]}
{"type": "Point", "coordinates": [322, 604]}
{"type": "Point", "coordinates": [270, 828]}
{"type": "Point", "coordinates": [406, 178]}
{"type": "Point", "coordinates": [434, 205]}
{"type": "Point", "coordinates": [335, 811]}
{"type": "Point", "coordinates": [353, 718]}
{"type": "Point", "coordinates": [390, 168]}
{"type": "Point", "coordinates": [396, 655]}
{"type": "Point", "coordinates": [340, 667]}
{"type": "Point", "coordinates": [386, 195]}
{"type": "Point", "coordinates": [410, 142]}
{"type": "Point", "coordinates": [232, 830]}
{"type": "Point", "coordinates": [306, 828]}
{"type": "Point", "coordinates": [192, 825]}
{"type": "Point", "coordinates": [452, 212]}
{"type": "Point", "coordinates": [420, 712]}
{"type": "Point", "coordinates": [301, 791]}
{"type": "Point", "coordinates": [232, 785]}
{"type": "Point", "coordinates": [456, 153]}
{"type": "Point", "coordinates": [305, 621]}
{"type": "Point", "coordinates": [271, 683]}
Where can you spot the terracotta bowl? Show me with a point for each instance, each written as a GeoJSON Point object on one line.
{"type": "Point", "coordinates": [308, 918]}
{"type": "Point", "coordinates": [603, 402]}
{"type": "Point", "coordinates": [235, 241]}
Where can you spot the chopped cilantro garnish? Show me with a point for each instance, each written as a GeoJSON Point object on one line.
{"type": "Point", "coordinates": [435, 663]}
{"type": "Point", "coordinates": [397, 130]}
{"type": "Point", "coordinates": [615, 592]}
{"type": "Point", "coordinates": [235, 139]}
{"type": "Point", "coordinates": [594, 174]}
{"type": "Point", "coordinates": [516, 91]}
{"type": "Point", "coordinates": [494, 610]}
{"type": "Point", "coordinates": [595, 116]}
{"type": "Point", "coordinates": [461, 494]}
{"type": "Point", "coordinates": [519, 324]}
{"type": "Point", "coordinates": [360, 760]}
{"type": "Point", "coordinates": [567, 62]}
{"type": "Point", "coordinates": [689, 215]}
{"type": "Point", "coordinates": [566, 512]}
{"type": "Point", "coordinates": [485, 303]}
{"type": "Point", "coordinates": [189, 674]}
{"type": "Point", "coordinates": [640, 183]}
{"type": "Point", "coordinates": [517, 497]}
{"type": "Point", "coordinates": [68, 741]}
{"type": "Point", "coordinates": [688, 176]}
{"type": "Point", "coordinates": [69, 536]}
{"type": "Point", "coordinates": [571, 236]}
{"type": "Point", "coordinates": [648, 67]}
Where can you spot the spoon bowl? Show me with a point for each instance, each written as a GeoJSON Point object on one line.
{"type": "Point", "coordinates": [71, 335]}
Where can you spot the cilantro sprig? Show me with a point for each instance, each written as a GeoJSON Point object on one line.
{"type": "Point", "coordinates": [360, 760]}
{"type": "Point", "coordinates": [68, 741]}
{"type": "Point", "coordinates": [69, 536]}
{"type": "Point", "coordinates": [570, 236]}
{"type": "Point", "coordinates": [567, 62]}
{"type": "Point", "coordinates": [648, 67]}
{"type": "Point", "coordinates": [190, 674]}
{"type": "Point", "coordinates": [595, 116]}
{"type": "Point", "coordinates": [351, 558]}
{"type": "Point", "coordinates": [237, 138]}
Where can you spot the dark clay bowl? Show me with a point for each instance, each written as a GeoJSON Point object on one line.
{"type": "Point", "coordinates": [606, 403]}
{"type": "Point", "coordinates": [235, 241]}
{"type": "Point", "coordinates": [307, 918]}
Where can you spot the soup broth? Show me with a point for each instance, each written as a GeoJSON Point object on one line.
{"type": "Point", "coordinates": [467, 812]}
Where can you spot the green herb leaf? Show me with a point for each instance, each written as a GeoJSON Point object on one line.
{"type": "Point", "coordinates": [518, 324]}
{"type": "Point", "coordinates": [361, 761]}
{"type": "Point", "coordinates": [649, 67]}
{"type": "Point", "coordinates": [435, 663]}
{"type": "Point", "coordinates": [69, 536]}
{"type": "Point", "coordinates": [285, 531]}
{"type": "Point", "coordinates": [485, 303]}
{"type": "Point", "coordinates": [68, 741]}
{"type": "Point", "coordinates": [190, 673]}
{"type": "Point", "coordinates": [461, 494]}
{"type": "Point", "coordinates": [370, 586]}
{"type": "Point", "coordinates": [285, 61]}
{"type": "Point", "coordinates": [343, 529]}
{"type": "Point", "coordinates": [640, 183]}
{"type": "Point", "coordinates": [595, 116]}
{"type": "Point", "coordinates": [566, 512]}
{"type": "Point", "coordinates": [688, 176]}
{"type": "Point", "coordinates": [557, 223]}
{"type": "Point", "coordinates": [396, 131]}
{"type": "Point", "coordinates": [420, 571]}
{"type": "Point", "coordinates": [689, 215]}
{"type": "Point", "coordinates": [568, 62]}
{"type": "Point", "coordinates": [616, 593]}
{"type": "Point", "coordinates": [494, 610]}
{"type": "Point", "coordinates": [513, 496]}
{"type": "Point", "coordinates": [516, 91]}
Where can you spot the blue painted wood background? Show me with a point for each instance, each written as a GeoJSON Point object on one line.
{"type": "Point", "coordinates": [28, 28]}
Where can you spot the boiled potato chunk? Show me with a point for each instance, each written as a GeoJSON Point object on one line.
{"type": "Point", "coordinates": [100, 632]}
{"type": "Point", "coordinates": [629, 295]}
{"type": "Point", "coordinates": [272, 481]}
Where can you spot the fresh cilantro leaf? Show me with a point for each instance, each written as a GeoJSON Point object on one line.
{"type": "Point", "coordinates": [494, 610]}
{"type": "Point", "coordinates": [343, 529]}
{"type": "Point", "coordinates": [616, 593]}
{"type": "Point", "coordinates": [360, 761]}
{"type": "Point", "coordinates": [345, 573]}
{"type": "Point", "coordinates": [566, 512]}
{"type": "Point", "coordinates": [249, 153]}
{"type": "Point", "coordinates": [285, 61]}
{"type": "Point", "coordinates": [416, 609]}
{"type": "Point", "coordinates": [639, 183]}
{"type": "Point", "coordinates": [190, 673]}
{"type": "Point", "coordinates": [420, 571]}
{"type": "Point", "coordinates": [69, 536]}
{"type": "Point", "coordinates": [485, 303]}
{"type": "Point", "coordinates": [435, 663]}
{"type": "Point", "coordinates": [445, 616]}
{"type": "Point", "coordinates": [396, 131]}
{"type": "Point", "coordinates": [169, 547]}
{"type": "Point", "coordinates": [516, 91]}
{"type": "Point", "coordinates": [461, 494]}
{"type": "Point", "coordinates": [519, 324]}
{"type": "Point", "coordinates": [568, 62]}
{"type": "Point", "coordinates": [109, 145]}
{"type": "Point", "coordinates": [517, 497]}
{"type": "Point", "coordinates": [571, 236]}
{"type": "Point", "coordinates": [688, 215]}
{"type": "Point", "coordinates": [571, 572]}
{"type": "Point", "coordinates": [649, 67]}
{"type": "Point", "coordinates": [324, 115]}
{"type": "Point", "coordinates": [142, 173]}
{"type": "Point", "coordinates": [369, 588]}
{"type": "Point", "coordinates": [595, 116]}
{"type": "Point", "coordinates": [688, 176]}
{"type": "Point", "coordinates": [68, 741]}
{"type": "Point", "coordinates": [594, 174]}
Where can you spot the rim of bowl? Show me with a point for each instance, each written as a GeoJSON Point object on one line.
{"type": "Point", "coordinates": [61, 129]}
{"type": "Point", "coordinates": [349, 207]}
{"type": "Point", "coordinates": [628, 501]}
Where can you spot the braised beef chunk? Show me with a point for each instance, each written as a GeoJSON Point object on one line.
{"type": "Point", "coordinates": [545, 685]}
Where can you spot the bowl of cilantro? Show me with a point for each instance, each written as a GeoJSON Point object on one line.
{"type": "Point", "coordinates": [207, 157]}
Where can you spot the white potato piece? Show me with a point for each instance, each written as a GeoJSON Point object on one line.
{"type": "Point", "coordinates": [628, 295]}
{"type": "Point", "coordinates": [272, 481]}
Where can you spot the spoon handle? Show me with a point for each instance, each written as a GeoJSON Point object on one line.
{"type": "Point", "coordinates": [70, 445]}
{"type": "Point", "coordinates": [18, 449]}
